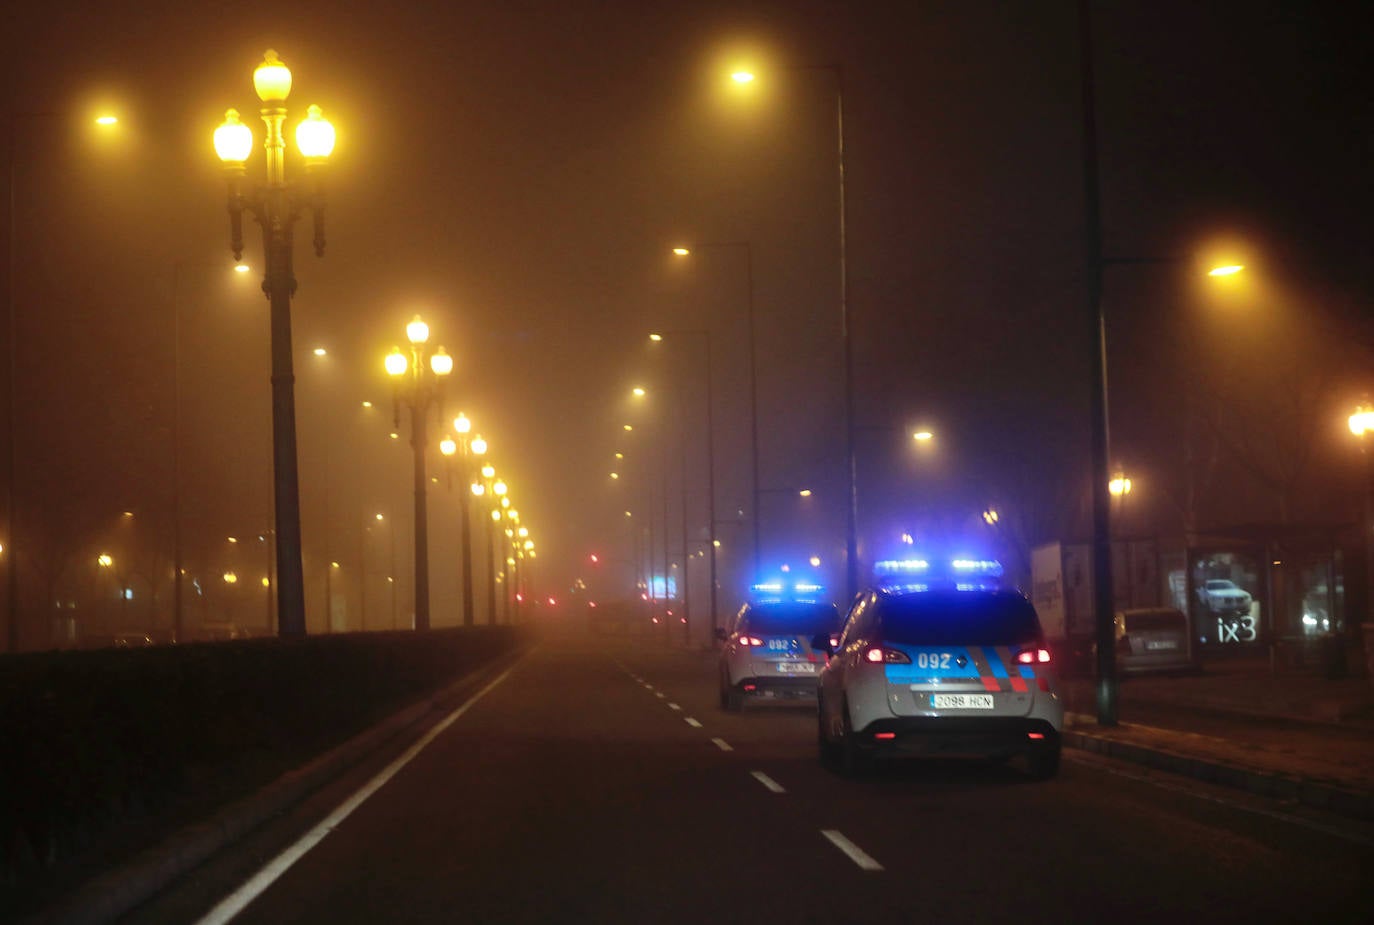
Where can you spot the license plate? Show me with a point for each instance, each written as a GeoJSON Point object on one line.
{"type": "Point", "coordinates": [961, 701]}
{"type": "Point", "coordinates": [796, 668]}
{"type": "Point", "coordinates": [1164, 644]}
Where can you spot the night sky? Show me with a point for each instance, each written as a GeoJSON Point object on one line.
{"type": "Point", "coordinates": [517, 172]}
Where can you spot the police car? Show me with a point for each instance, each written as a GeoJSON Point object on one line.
{"type": "Point", "coordinates": [768, 649]}
{"type": "Point", "coordinates": [936, 659]}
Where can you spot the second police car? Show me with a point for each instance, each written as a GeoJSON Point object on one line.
{"type": "Point", "coordinates": [768, 649]}
{"type": "Point", "coordinates": [936, 659]}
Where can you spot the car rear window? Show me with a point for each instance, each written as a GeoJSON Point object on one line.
{"type": "Point", "coordinates": [1155, 620]}
{"type": "Point", "coordinates": [791, 619]}
{"type": "Point", "coordinates": [959, 618]}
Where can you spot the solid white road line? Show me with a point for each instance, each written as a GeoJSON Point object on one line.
{"type": "Point", "coordinates": [722, 745]}
{"type": "Point", "coordinates": [693, 723]}
{"type": "Point", "coordinates": [235, 902]}
{"type": "Point", "coordinates": [851, 850]}
{"type": "Point", "coordinates": [767, 781]}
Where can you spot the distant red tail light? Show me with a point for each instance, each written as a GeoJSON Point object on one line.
{"type": "Point", "coordinates": [1033, 657]}
{"type": "Point", "coordinates": [1035, 735]}
{"type": "Point", "coordinates": [884, 736]}
{"type": "Point", "coordinates": [750, 641]}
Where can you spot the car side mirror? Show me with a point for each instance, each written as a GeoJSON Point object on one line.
{"type": "Point", "coordinates": [721, 635]}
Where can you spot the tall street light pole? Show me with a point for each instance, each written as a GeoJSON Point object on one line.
{"type": "Point", "coordinates": [846, 336]}
{"type": "Point", "coordinates": [469, 447]}
{"type": "Point", "coordinates": [753, 381]}
{"type": "Point", "coordinates": [710, 462]}
{"type": "Point", "coordinates": [1362, 425]}
{"type": "Point", "coordinates": [418, 378]}
{"type": "Point", "coordinates": [9, 539]}
{"type": "Point", "coordinates": [1103, 604]}
{"type": "Point", "coordinates": [276, 207]}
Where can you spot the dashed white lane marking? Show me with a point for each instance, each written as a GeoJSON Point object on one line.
{"type": "Point", "coordinates": [659, 694]}
{"type": "Point", "coordinates": [693, 723]}
{"type": "Point", "coordinates": [235, 902]}
{"type": "Point", "coordinates": [767, 781]}
{"type": "Point", "coordinates": [648, 687]}
{"type": "Point", "coordinates": [673, 706]}
{"type": "Point", "coordinates": [851, 850]}
{"type": "Point", "coordinates": [722, 745]}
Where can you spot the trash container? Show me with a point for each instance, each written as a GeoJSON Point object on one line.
{"type": "Point", "coordinates": [1331, 656]}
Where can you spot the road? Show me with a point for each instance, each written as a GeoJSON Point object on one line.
{"type": "Point", "coordinates": [600, 782]}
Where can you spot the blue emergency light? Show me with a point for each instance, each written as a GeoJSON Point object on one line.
{"type": "Point", "coordinates": [776, 591]}
{"type": "Point", "coordinates": [962, 573]}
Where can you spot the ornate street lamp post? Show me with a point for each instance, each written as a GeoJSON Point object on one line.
{"type": "Point", "coordinates": [418, 382]}
{"type": "Point", "coordinates": [462, 426]}
{"type": "Point", "coordinates": [276, 206]}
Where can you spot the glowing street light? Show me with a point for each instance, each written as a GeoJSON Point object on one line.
{"type": "Point", "coordinates": [276, 206]}
{"type": "Point", "coordinates": [419, 380]}
{"type": "Point", "coordinates": [462, 426]}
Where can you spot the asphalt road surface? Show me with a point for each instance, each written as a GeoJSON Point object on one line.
{"type": "Point", "coordinates": [598, 781]}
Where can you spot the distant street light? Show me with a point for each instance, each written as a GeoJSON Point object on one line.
{"type": "Point", "coordinates": [276, 206]}
{"type": "Point", "coordinates": [462, 426]}
{"type": "Point", "coordinates": [1362, 426]}
{"type": "Point", "coordinates": [753, 377]}
{"type": "Point", "coordinates": [419, 378]}
{"type": "Point", "coordinates": [705, 335]}
{"type": "Point", "coordinates": [9, 532]}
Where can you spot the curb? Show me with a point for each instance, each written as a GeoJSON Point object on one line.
{"type": "Point", "coordinates": [1354, 803]}
{"type": "Point", "coordinates": [116, 892]}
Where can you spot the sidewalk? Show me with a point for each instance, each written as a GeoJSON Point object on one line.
{"type": "Point", "coordinates": [1289, 733]}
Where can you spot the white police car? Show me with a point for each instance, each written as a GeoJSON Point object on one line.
{"type": "Point", "coordinates": [768, 647]}
{"type": "Point", "coordinates": [936, 660]}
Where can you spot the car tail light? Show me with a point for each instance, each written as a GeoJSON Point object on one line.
{"type": "Point", "coordinates": [890, 656]}
{"type": "Point", "coordinates": [750, 687]}
{"type": "Point", "coordinates": [1035, 735]}
{"type": "Point", "coordinates": [835, 642]}
{"type": "Point", "coordinates": [884, 736]}
{"type": "Point", "coordinates": [750, 641]}
{"type": "Point", "coordinates": [1033, 657]}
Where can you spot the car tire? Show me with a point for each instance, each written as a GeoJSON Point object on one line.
{"type": "Point", "coordinates": [731, 697]}
{"type": "Point", "coordinates": [853, 760]}
{"type": "Point", "coordinates": [1042, 761]}
{"type": "Point", "coordinates": [826, 751]}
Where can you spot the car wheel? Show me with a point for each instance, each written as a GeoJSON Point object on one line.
{"type": "Point", "coordinates": [1042, 761]}
{"type": "Point", "coordinates": [734, 700]}
{"type": "Point", "coordinates": [826, 750]}
{"type": "Point", "coordinates": [854, 761]}
{"type": "Point", "coordinates": [731, 697]}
